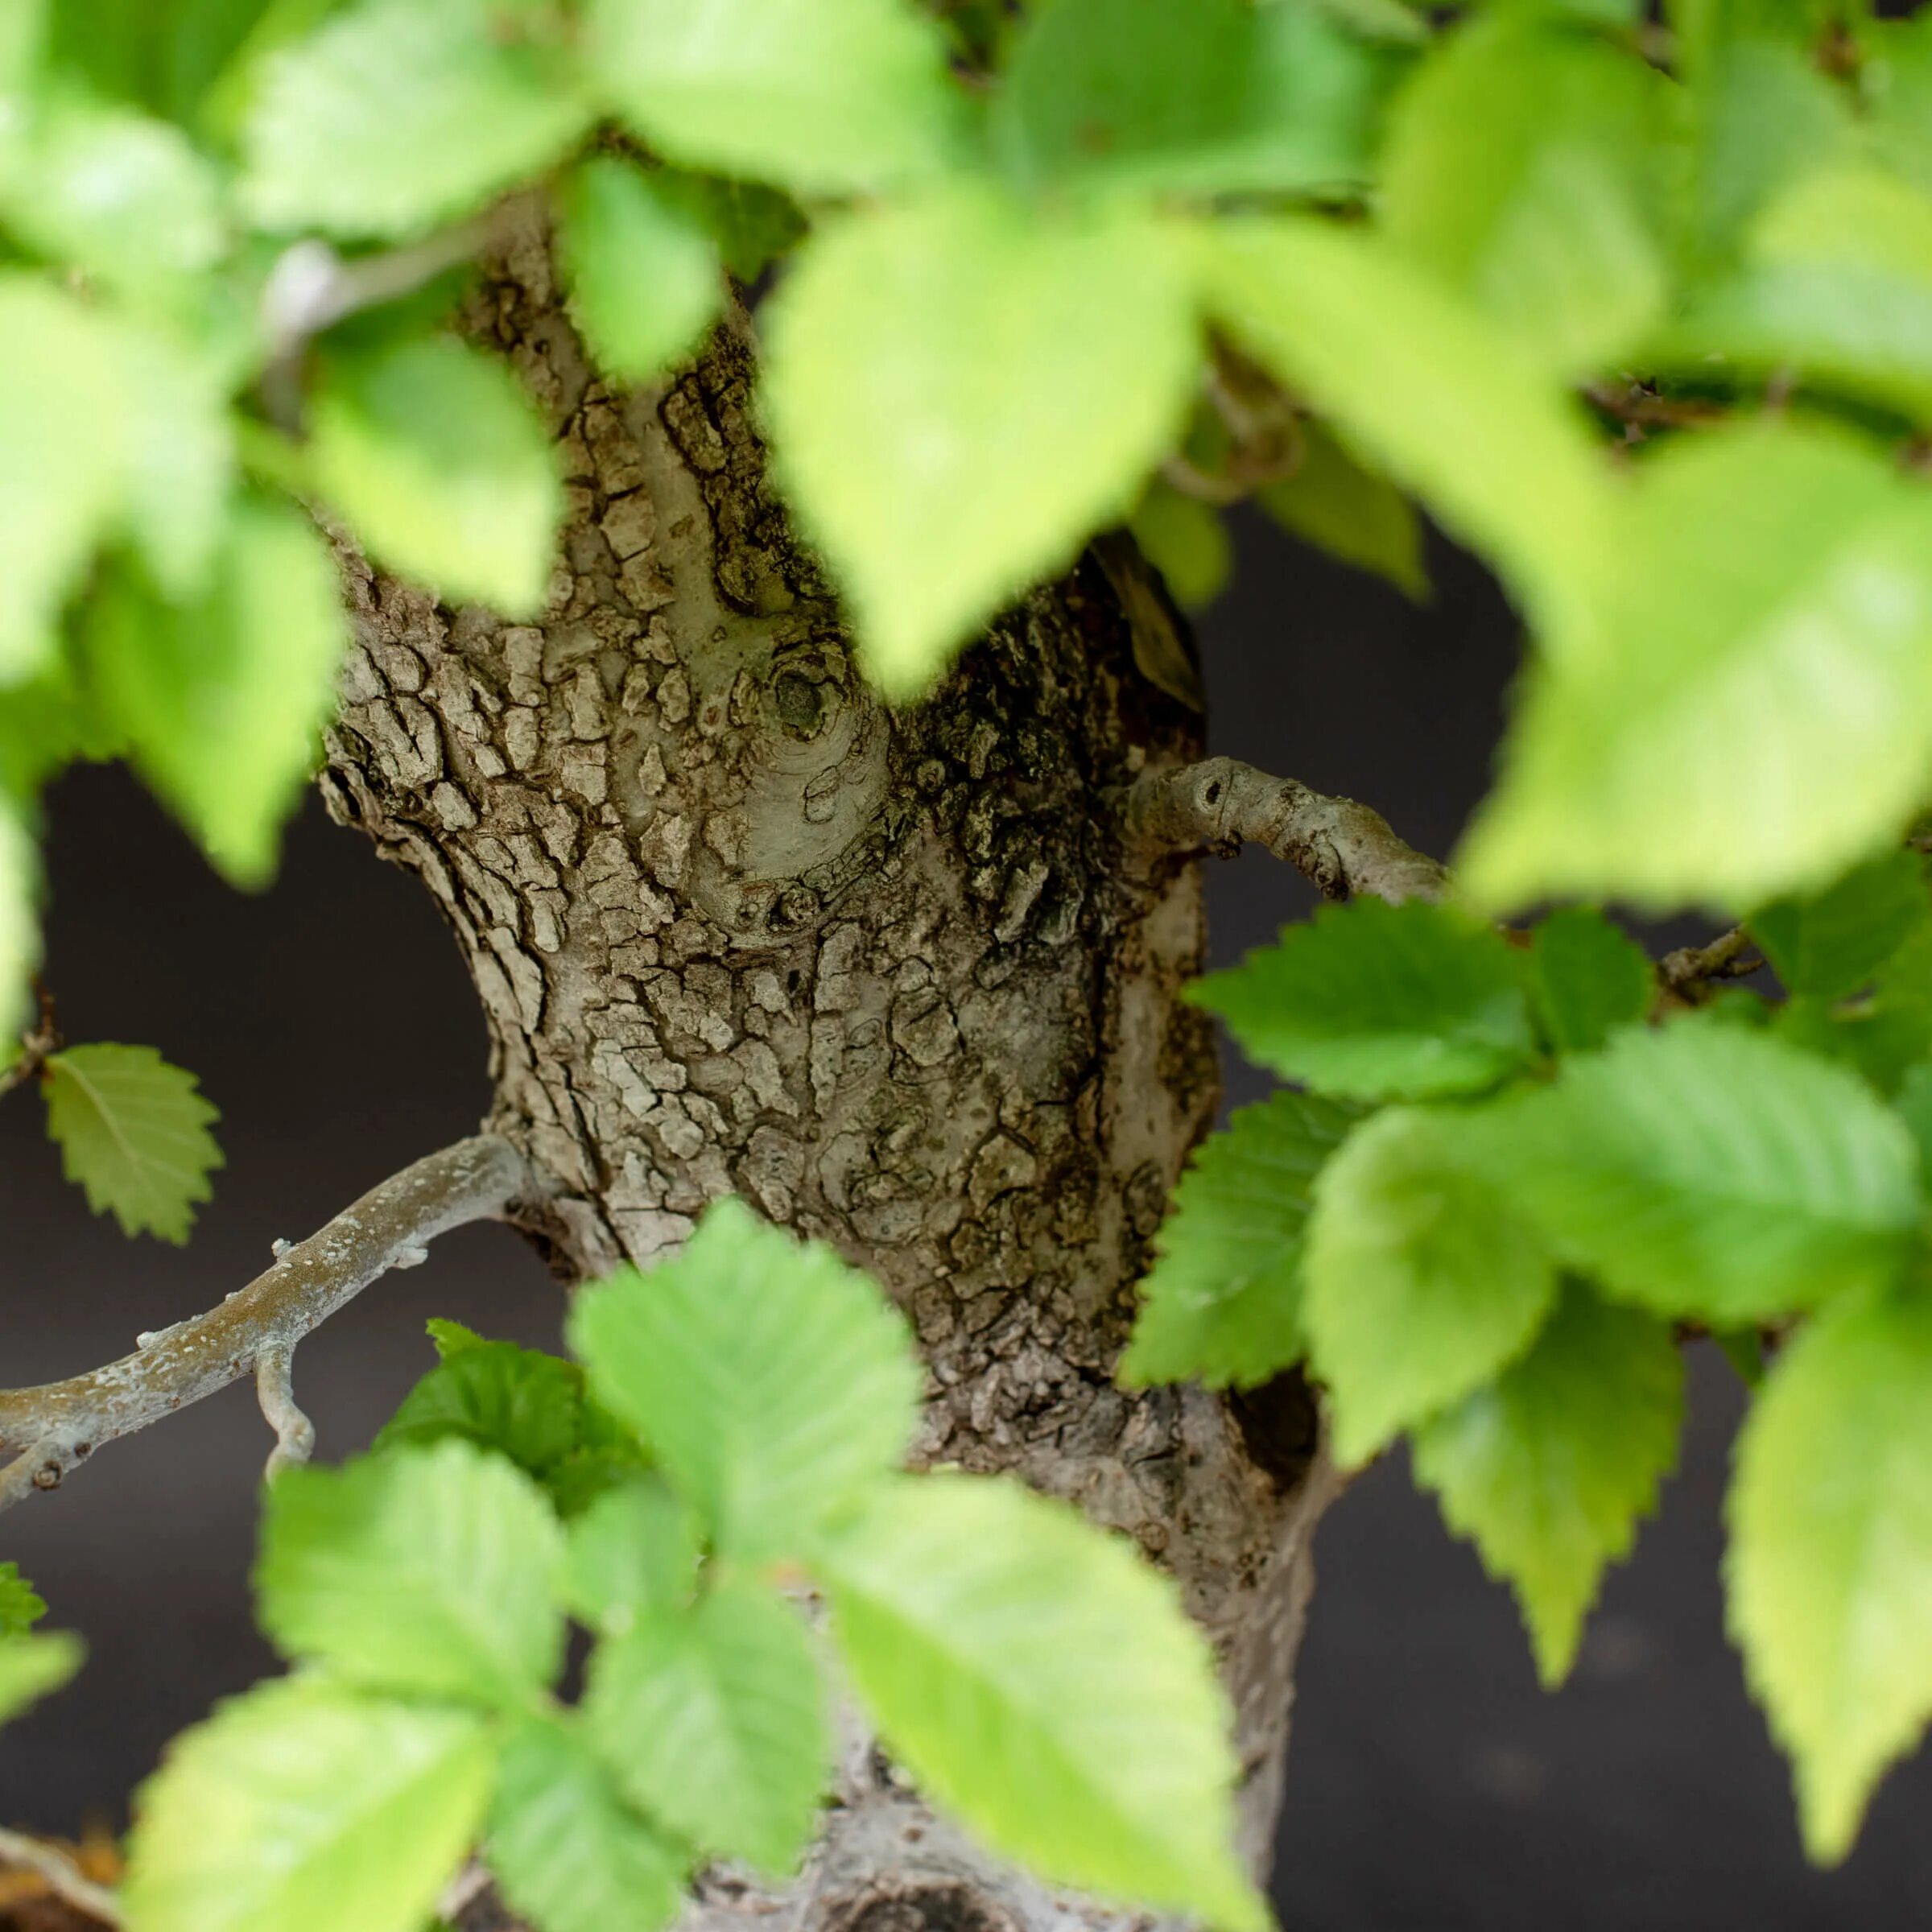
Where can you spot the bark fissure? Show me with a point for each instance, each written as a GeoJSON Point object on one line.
{"type": "Point", "coordinates": [904, 980]}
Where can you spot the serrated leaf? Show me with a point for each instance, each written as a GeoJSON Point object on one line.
{"type": "Point", "coordinates": [306, 1806]}
{"type": "Point", "coordinates": [1223, 1303]}
{"type": "Point", "coordinates": [1041, 1683]}
{"type": "Point", "coordinates": [1421, 1280]}
{"type": "Point", "coordinates": [1214, 97]}
{"type": "Point", "coordinates": [917, 367]}
{"type": "Point", "coordinates": [22, 1606]}
{"type": "Point", "coordinates": [428, 1571]}
{"type": "Point", "coordinates": [1186, 541]}
{"type": "Point", "coordinates": [1521, 167]}
{"type": "Point", "coordinates": [34, 1667]}
{"type": "Point", "coordinates": [823, 96]}
{"type": "Point", "coordinates": [635, 1549]}
{"type": "Point", "coordinates": [397, 114]}
{"type": "Point", "coordinates": [1766, 716]}
{"type": "Point", "coordinates": [222, 699]}
{"type": "Point", "coordinates": [1588, 978]}
{"type": "Point", "coordinates": [1375, 1001]}
{"type": "Point", "coordinates": [133, 1132]}
{"type": "Point", "coordinates": [713, 1720]}
{"type": "Point", "coordinates": [1830, 1565]}
{"type": "Point", "coordinates": [521, 1402]}
{"type": "Point", "coordinates": [1829, 943]}
{"type": "Point", "coordinates": [772, 1382]}
{"type": "Point", "coordinates": [435, 454]}
{"type": "Point", "coordinates": [1334, 502]}
{"type": "Point", "coordinates": [1435, 393]}
{"type": "Point", "coordinates": [1549, 1468]}
{"type": "Point", "coordinates": [1706, 1170]}
{"type": "Point", "coordinates": [452, 1338]}
{"type": "Point", "coordinates": [644, 277]}
{"type": "Point", "coordinates": [568, 1854]}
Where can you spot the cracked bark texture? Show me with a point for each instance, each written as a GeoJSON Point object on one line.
{"type": "Point", "coordinates": [899, 979]}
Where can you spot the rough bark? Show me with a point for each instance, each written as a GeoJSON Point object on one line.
{"type": "Point", "coordinates": [902, 980]}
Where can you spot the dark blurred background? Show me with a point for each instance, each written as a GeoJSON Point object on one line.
{"type": "Point", "coordinates": [1432, 1787]}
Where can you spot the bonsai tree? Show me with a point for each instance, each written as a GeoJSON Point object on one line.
{"type": "Point", "coordinates": [710, 487]}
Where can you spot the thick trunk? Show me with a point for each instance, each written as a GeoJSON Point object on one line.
{"type": "Point", "coordinates": [900, 978]}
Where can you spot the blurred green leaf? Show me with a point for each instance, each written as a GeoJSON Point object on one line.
{"type": "Point", "coordinates": [922, 356]}
{"type": "Point", "coordinates": [1896, 85]}
{"type": "Point", "coordinates": [34, 1667]}
{"type": "Point", "coordinates": [435, 454]}
{"type": "Point", "coordinates": [569, 1855]}
{"type": "Point", "coordinates": [22, 1606]}
{"type": "Point", "coordinates": [1421, 1279]}
{"type": "Point", "coordinates": [1375, 1001]}
{"type": "Point", "coordinates": [821, 96]}
{"type": "Point", "coordinates": [1914, 1104]}
{"type": "Point", "coordinates": [430, 1571]}
{"type": "Point", "coordinates": [1223, 1302]}
{"type": "Point", "coordinates": [633, 1550]}
{"type": "Point", "coordinates": [306, 1806]}
{"type": "Point", "coordinates": [1548, 1469]}
{"type": "Point", "coordinates": [1829, 943]}
{"type": "Point", "coordinates": [1342, 506]}
{"type": "Point", "coordinates": [750, 225]}
{"type": "Point", "coordinates": [19, 918]}
{"type": "Point", "coordinates": [223, 699]}
{"type": "Point", "coordinates": [1588, 978]}
{"type": "Point", "coordinates": [1523, 166]}
{"type": "Point", "coordinates": [644, 277]}
{"type": "Point", "coordinates": [990, 1634]}
{"type": "Point", "coordinates": [1829, 1566]}
{"type": "Point", "coordinates": [398, 113]}
{"type": "Point", "coordinates": [1186, 541]}
{"type": "Point", "coordinates": [1766, 716]}
{"type": "Point", "coordinates": [714, 1719]}
{"type": "Point", "coordinates": [133, 1132]}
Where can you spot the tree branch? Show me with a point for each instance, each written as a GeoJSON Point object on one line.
{"type": "Point", "coordinates": [61, 1875]}
{"type": "Point", "coordinates": [1342, 848]}
{"type": "Point", "coordinates": [53, 1427]}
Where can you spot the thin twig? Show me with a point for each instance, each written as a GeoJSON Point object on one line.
{"type": "Point", "coordinates": [1727, 957]}
{"type": "Point", "coordinates": [37, 1044]}
{"type": "Point", "coordinates": [1342, 848]}
{"type": "Point", "coordinates": [60, 1424]}
{"type": "Point", "coordinates": [61, 1875]}
{"type": "Point", "coordinates": [275, 1389]}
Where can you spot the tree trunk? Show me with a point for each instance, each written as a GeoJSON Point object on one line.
{"type": "Point", "coordinates": [898, 978]}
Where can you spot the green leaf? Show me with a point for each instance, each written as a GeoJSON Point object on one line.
{"type": "Point", "coordinates": [133, 1132]}
{"type": "Point", "coordinates": [1041, 1683]}
{"type": "Point", "coordinates": [429, 1571]}
{"type": "Point", "coordinates": [521, 1402]}
{"type": "Point", "coordinates": [1375, 1001]}
{"type": "Point", "coordinates": [1548, 1469]}
{"type": "Point", "coordinates": [1884, 1032]}
{"type": "Point", "coordinates": [773, 1383]}
{"type": "Point", "coordinates": [1521, 167]}
{"type": "Point", "coordinates": [19, 922]}
{"type": "Point", "coordinates": [1588, 978]}
{"type": "Point", "coordinates": [569, 1855]}
{"type": "Point", "coordinates": [916, 368]}
{"type": "Point", "coordinates": [1421, 1279]}
{"type": "Point", "coordinates": [180, 458]}
{"type": "Point", "coordinates": [22, 1606]}
{"type": "Point", "coordinates": [452, 1338]}
{"type": "Point", "coordinates": [34, 1667]}
{"type": "Point", "coordinates": [1830, 1566]}
{"type": "Point", "coordinates": [1223, 1303]}
{"type": "Point", "coordinates": [1708, 1171]}
{"type": "Point", "coordinates": [305, 1806]}
{"type": "Point", "coordinates": [644, 282]}
{"type": "Point", "coordinates": [223, 699]}
{"type": "Point", "coordinates": [118, 195]}
{"type": "Point", "coordinates": [1341, 506]}
{"type": "Point", "coordinates": [1186, 541]}
{"type": "Point", "coordinates": [750, 225]}
{"type": "Point", "coordinates": [1211, 97]}
{"type": "Point", "coordinates": [713, 1720]}
{"type": "Point", "coordinates": [1831, 942]}
{"type": "Point", "coordinates": [435, 454]}
{"type": "Point", "coordinates": [398, 113]}
{"type": "Point", "coordinates": [1896, 88]}
{"type": "Point", "coordinates": [1765, 715]}
{"type": "Point", "coordinates": [1436, 393]}
{"type": "Point", "coordinates": [1836, 291]}
{"type": "Point", "coordinates": [636, 1548]}
{"type": "Point", "coordinates": [64, 442]}
{"type": "Point", "coordinates": [823, 96]}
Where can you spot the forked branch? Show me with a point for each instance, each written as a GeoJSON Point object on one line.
{"type": "Point", "coordinates": [1343, 848]}
{"type": "Point", "coordinates": [52, 1428]}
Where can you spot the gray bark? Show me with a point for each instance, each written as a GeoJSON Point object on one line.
{"type": "Point", "coordinates": [903, 979]}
